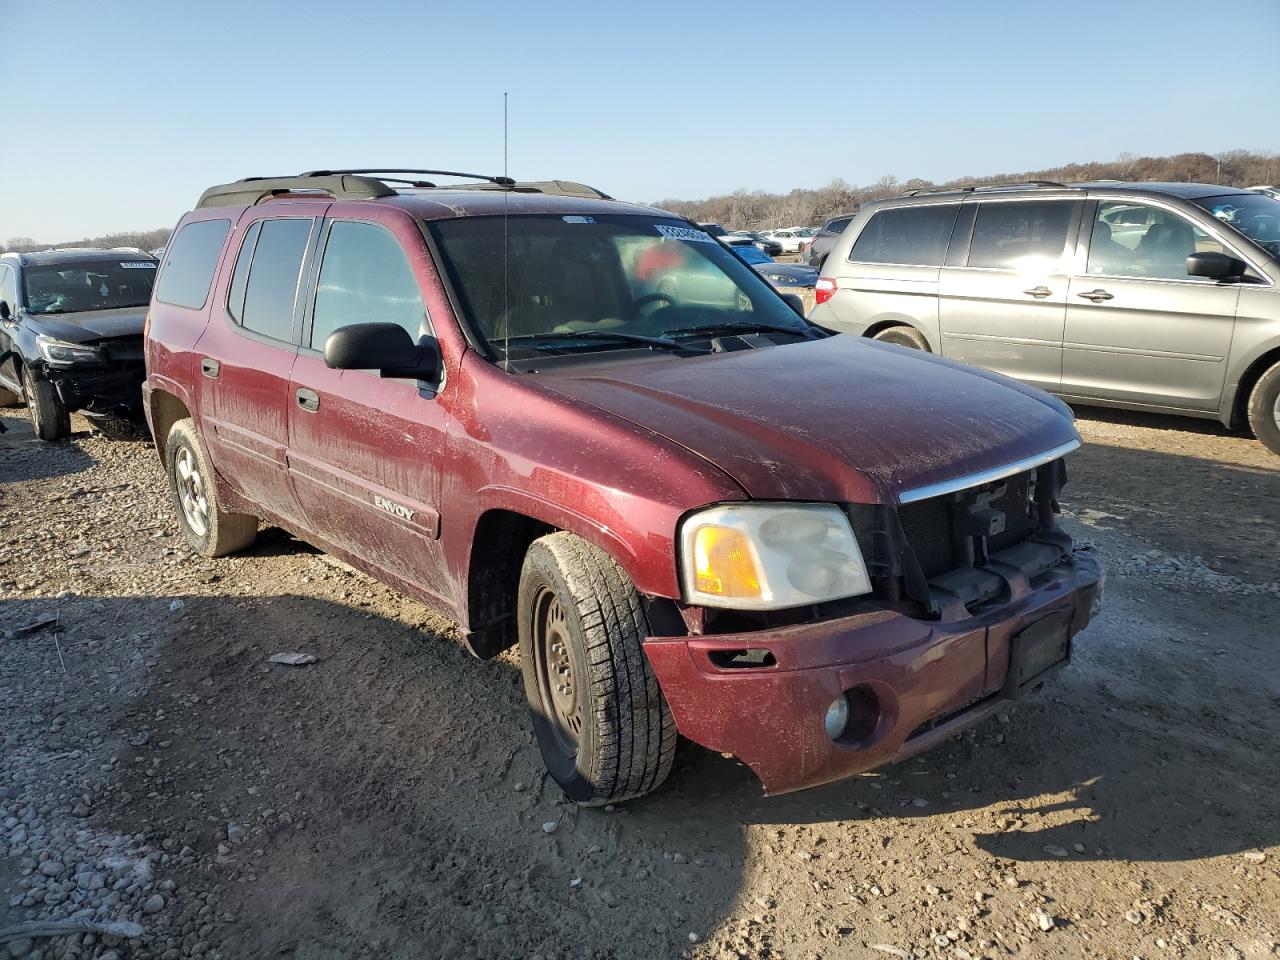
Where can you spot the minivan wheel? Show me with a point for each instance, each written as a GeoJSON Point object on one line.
{"type": "Point", "coordinates": [211, 531]}
{"type": "Point", "coordinates": [49, 414]}
{"type": "Point", "coordinates": [604, 728]}
{"type": "Point", "coordinates": [904, 336]}
{"type": "Point", "coordinates": [1264, 408]}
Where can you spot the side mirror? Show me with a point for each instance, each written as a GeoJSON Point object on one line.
{"type": "Point", "coordinates": [6, 312]}
{"type": "Point", "coordinates": [385, 347]}
{"type": "Point", "coordinates": [1215, 266]}
{"type": "Point", "coordinates": [794, 302]}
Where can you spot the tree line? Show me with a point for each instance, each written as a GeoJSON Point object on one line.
{"type": "Point", "coordinates": [760, 210]}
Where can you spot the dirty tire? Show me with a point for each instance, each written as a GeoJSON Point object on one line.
{"type": "Point", "coordinates": [627, 736]}
{"type": "Point", "coordinates": [49, 416]}
{"type": "Point", "coordinates": [904, 336]}
{"type": "Point", "coordinates": [223, 532]}
{"type": "Point", "coordinates": [9, 399]}
{"type": "Point", "coordinates": [1264, 408]}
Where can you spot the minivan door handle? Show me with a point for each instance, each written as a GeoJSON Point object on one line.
{"type": "Point", "coordinates": [308, 399]}
{"type": "Point", "coordinates": [1097, 296]}
{"type": "Point", "coordinates": [1039, 292]}
{"type": "Point", "coordinates": [210, 367]}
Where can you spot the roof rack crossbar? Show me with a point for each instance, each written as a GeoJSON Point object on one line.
{"type": "Point", "coordinates": [501, 181]}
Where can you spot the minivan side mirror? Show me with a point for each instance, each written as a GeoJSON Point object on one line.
{"type": "Point", "coordinates": [1215, 266]}
{"type": "Point", "coordinates": [385, 347]}
{"type": "Point", "coordinates": [6, 312]}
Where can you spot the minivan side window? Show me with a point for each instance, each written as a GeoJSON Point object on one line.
{"type": "Point", "coordinates": [365, 277]}
{"type": "Point", "coordinates": [274, 272]}
{"type": "Point", "coordinates": [915, 236]}
{"type": "Point", "coordinates": [1019, 234]}
{"type": "Point", "coordinates": [189, 262]}
{"type": "Point", "coordinates": [1139, 240]}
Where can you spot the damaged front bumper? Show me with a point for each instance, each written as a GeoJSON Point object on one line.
{"type": "Point", "coordinates": [108, 387]}
{"type": "Point", "coordinates": [908, 683]}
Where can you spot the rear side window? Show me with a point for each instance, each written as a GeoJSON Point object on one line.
{"type": "Point", "coordinates": [837, 226]}
{"type": "Point", "coordinates": [915, 236]}
{"type": "Point", "coordinates": [274, 271]}
{"type": "Point", "coordinates": [189, 263]}
{"type": "Point", "coordinates": [365, 277]}
{"type": "Point", "coordinates": [1015, 235]}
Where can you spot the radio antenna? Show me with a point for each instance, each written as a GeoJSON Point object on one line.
{"type": "Point", "coordinates": [506, 279]}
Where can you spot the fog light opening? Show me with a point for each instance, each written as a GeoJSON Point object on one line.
{"type": "Point", "coordinates": [853, 717]}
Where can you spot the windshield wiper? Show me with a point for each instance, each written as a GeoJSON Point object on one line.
{"type": "Point", "coordinates": [663, 343]}
{"type": "Point", "coordinates": [731, 326]}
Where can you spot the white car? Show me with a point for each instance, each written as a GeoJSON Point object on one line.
{"type": "Point", "coordinates": [1270, 191]}
{"type": "Point", "coordinates": [792, 240]}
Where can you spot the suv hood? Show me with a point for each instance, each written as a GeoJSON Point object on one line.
{"type": "Point", "coordinates": [88, 325]}
{"type": "Point", "coordinates": [840, 420]}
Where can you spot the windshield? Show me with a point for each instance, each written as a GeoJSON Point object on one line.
{"type": "Point", "coordinates": [608, 277]}
{"type": "Point", "coordinates": [751, 254]}
{"type": "Point", "coordinates": [71, 287]}
{"type": "Point", "coordinates": [1255, 215]}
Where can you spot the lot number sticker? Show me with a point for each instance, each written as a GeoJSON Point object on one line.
{"type": "Point", "coordinates": [137, 265]}
{"type": "Point", "coordinates": [684, 233]}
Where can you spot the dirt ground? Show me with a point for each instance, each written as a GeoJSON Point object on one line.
{"type": "Point", "coordinates": [388, 801]}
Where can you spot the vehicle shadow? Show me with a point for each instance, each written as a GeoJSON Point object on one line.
{"type": "Point", "coordinates": [23, 457]}
{"type": "Point", "coordinates": [1155, 421]}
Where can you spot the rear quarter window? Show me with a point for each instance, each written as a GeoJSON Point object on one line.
{"type": "Point", "coordinates": [189, 262]}
{"type": "Point", "coordinates": [914, 236]}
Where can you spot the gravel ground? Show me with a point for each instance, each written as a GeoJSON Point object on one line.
{"type": "Point", "coordinates": [388, 801]}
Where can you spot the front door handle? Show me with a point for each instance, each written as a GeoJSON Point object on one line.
{"type": "Point", "coordinates": [308, 399]}
{"type": "Point", "coordinates": [1039, 292]}
{"type": "Point", "coordinates": [1097, 296]}
{"type": "Point", "coordinates": [210, 367]}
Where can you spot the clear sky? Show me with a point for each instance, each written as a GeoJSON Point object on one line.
{"type": "Point", "coordinates": [117, 115]}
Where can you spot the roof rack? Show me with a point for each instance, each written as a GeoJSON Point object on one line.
{"type": "Point", "coordinates": [974, 187]}
{"type": "Point", "coordinates": [370, 183]}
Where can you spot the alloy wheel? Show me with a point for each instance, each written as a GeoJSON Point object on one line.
{"type": "Point", "coordinates": [191, 492]}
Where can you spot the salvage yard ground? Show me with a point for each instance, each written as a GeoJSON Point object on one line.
{"type": "Point", "coordinates": [388, 800]}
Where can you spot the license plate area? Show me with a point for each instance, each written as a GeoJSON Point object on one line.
{"type": "Point", "coordinates": [1037, 652]}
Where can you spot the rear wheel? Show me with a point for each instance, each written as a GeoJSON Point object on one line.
{"type": "Point", "coordinates": [903, 336]}
{"type": "Point", "coordinates": [211, 531]}
{"type": "Point", "coordinates": [49, 414]}
{"type": "Point", "coordinates": [1264, 408]}
{"type": "Point", "coordinates": [604, 728]}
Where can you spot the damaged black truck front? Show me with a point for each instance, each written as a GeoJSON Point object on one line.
{"type": "Point", "coordinates": [71, 324]}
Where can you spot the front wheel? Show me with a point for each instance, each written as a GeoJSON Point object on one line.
{"type": "Point", "coordinates": [211, 531]}
{"type": "Point", "coordinates": [604, 728]}
{"type": "Point", "coordinates": [903, 336]}
{"type": "Point", "coordinates": [1264, 408]}
{"type": "Point", "coordinates": [49, 416]}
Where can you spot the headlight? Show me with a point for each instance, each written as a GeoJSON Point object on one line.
{"type": "Point", "coordinates": [59, 351]}
{"type": "Point", "coordinates": [768, 556]}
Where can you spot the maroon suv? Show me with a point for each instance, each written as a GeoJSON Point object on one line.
{"type": "Point", "coordinates": [588, 428]}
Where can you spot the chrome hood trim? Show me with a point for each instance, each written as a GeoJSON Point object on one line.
{"type": "Point", "coordinates": [986, 476]}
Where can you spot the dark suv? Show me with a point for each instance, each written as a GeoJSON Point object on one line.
{"type": "Point", "coordinates": [692, 510]}
{"type": "Point", "coordinates": [71, 336]}
{"type": "Point", "coordinates": [825, 239]}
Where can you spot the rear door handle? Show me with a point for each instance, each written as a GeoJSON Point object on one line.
{"type": "Point", "coordinates": [308, 399]}
{"type": "Point", "coordinates": [210, 367]}
{"type": "Point", "coordinates": [1039, 292]}
{"type": "Point", "coordinates": [1097, 296]}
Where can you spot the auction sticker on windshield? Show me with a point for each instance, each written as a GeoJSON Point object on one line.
{"type": "Point", "coordinates": [684, 233]}
{"type": "Point", "coordinates": [137, 265]}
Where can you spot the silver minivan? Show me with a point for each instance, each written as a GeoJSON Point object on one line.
{"type": "Point", "coordinates": [1151, 296]}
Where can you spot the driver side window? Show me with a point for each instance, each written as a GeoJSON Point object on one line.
{"type": "Point", "coordinates": [1140, 240]}
{"type": "Point", "coordinates": [8, 289]}
{"type": "Point", "coordinates": [365, 277]}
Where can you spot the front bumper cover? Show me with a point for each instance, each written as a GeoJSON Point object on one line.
{"type": "Point", "coordinates": [931, 679]}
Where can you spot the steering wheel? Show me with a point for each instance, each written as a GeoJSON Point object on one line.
{"type": "Point", "coordinates": [641, 302]}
